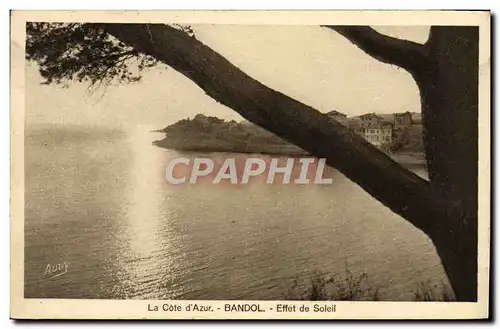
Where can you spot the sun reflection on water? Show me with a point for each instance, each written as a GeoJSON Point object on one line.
{"type": "Point", "coordinates": [146, 257]}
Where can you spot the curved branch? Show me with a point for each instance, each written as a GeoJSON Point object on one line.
{"type": "Point", "coordinates": [406, 54]}
{"type": "Point", "coordinates": [401, 190]}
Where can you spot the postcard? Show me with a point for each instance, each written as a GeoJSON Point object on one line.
{"type": "Point", "coordinates": [250, 164]}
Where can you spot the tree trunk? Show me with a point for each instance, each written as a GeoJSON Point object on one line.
{"type": "Point", "coordinates": [449, 94]}
{"type": "Point", "coordinates": [457, 249]}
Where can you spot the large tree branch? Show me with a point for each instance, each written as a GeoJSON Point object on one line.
{"type": "Point", "coordinates": [409, 55]}
{"type": "Point", "coordinates": [401, 190]}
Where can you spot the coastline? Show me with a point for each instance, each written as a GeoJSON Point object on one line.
{"type": "Point", "coordinates": [403, 158]}
{"type": "Point", "coordinates": [210, 134]}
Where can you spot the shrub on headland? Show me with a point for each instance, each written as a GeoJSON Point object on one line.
{"type": "Point", "coordinates": [432, 293]}
{"type": "Point", "coordinates": [356, 287]}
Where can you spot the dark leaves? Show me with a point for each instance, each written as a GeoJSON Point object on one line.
{"type": "Point", "coordinates": [82, 52]}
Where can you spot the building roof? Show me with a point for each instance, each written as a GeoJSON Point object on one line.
{"type": "Point", "coordinates": [382, 118]}
{"type": "Point", "coordinates": [334, 112]}
{"type": "Point", "coordinates": [378, 125]}
{"type": "Point", "coordinates": [370, 115]}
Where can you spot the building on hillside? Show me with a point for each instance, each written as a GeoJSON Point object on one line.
{"type": "Point", "coordinates": [402, 119]}
{"type": "Point", "coordinates": [337, 116]}
{"type": "Point", "coordinates": [378, 134]}
{"type": "Point", "coordinates": [207, 119]}
{"type": "Point", "coordinates": [371, 119]}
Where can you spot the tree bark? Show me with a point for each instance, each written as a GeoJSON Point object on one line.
{"type": "Point", "coordinates": [434, 207]}
{"type": "Point", "coordinates": [449, 96]}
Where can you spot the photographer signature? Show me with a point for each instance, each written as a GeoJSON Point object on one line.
{"type": "Point", "coordinates": [55, 270]}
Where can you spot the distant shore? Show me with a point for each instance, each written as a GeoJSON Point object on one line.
{"type": "Point", "coordinates": [407, 158]}
{"type": "Point", "coordinates": [210, 134]}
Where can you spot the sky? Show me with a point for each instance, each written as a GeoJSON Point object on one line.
{"type": "Point", "coordinates": [312, 64]}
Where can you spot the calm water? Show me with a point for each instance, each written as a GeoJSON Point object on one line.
{"type": "Point", "coordinates": [97, 200]}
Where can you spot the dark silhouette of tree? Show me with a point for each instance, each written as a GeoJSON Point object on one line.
{"type": "Point", "coordinates": [445, 69]}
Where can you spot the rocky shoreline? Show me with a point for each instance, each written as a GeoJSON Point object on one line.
{"type": "Point", "coordinates": [210, 134]}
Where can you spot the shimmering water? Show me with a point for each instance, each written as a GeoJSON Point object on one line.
{"type": "Point", "coordinates": [97, 200]}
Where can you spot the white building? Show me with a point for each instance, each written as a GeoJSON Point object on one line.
{"type": "Point", "coordinates": [378, 134]}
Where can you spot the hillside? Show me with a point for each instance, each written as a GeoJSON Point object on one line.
{"type": "Point", "coordinates": [205, 133]}
{"type": "Point", "coordinates": [211, 134]}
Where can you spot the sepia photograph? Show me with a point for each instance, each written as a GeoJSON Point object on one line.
{"type": "Point", "coordinates": [226, 166]}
